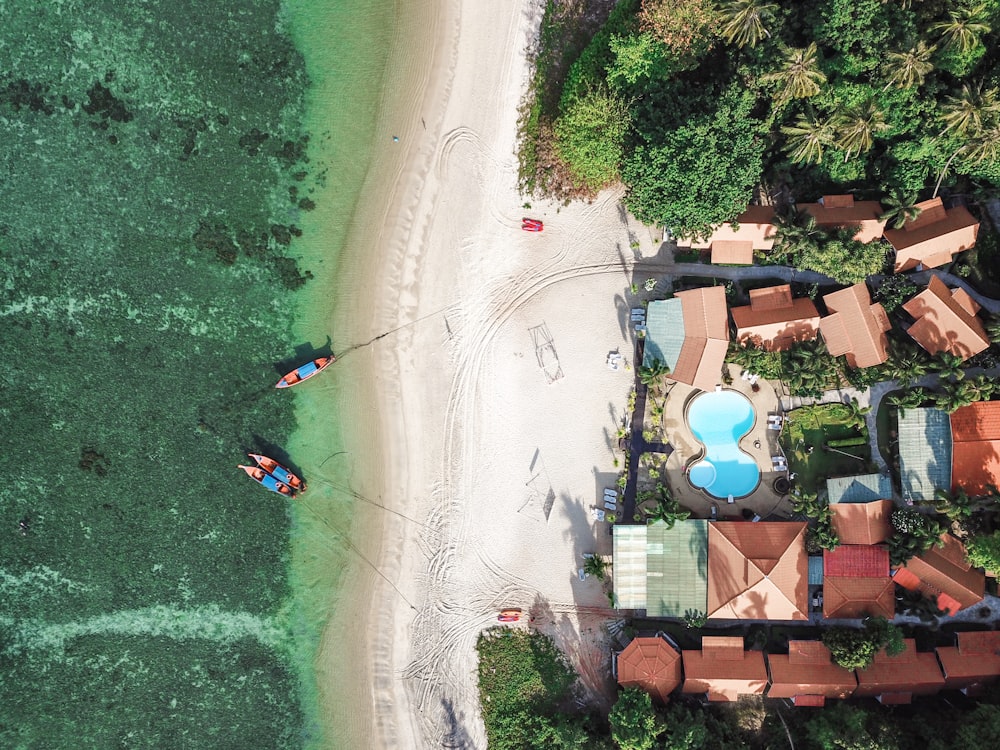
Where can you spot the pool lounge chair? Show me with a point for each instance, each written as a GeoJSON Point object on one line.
{"type": "Point", "coordinates": [610, 506]}
{"type": "Point", "coordinates": [597, 513]}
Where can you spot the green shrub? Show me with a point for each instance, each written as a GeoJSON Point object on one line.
{"type": "Point", "coordinates": [848, 442]}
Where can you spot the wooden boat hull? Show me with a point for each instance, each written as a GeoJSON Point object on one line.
{"type": "Point", "coordinates": [278, 471]}
{"type": "Point", "coordinates": [306, 371]}
{"type": "Point", "coordinates": [266, 480]}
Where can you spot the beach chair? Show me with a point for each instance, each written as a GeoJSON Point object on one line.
{"type": "Point", "coordinates": [610, 506]}
{"type": "Point", "coordinates": [597, 513]}
{"type": "Point", "coordinates": [582, 573]}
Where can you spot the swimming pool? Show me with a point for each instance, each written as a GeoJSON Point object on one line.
{"type": "Point", "coordinates": [718, 420]}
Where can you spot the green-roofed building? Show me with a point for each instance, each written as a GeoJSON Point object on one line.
{"type": "Point", "coordinates": [924, 452]}
{"type": "Point", "coordinates": [664, 332]}
{"type": "Point", "coordinates": [861, 488]}
{"type": "Point", "coordinates": [662, 570]}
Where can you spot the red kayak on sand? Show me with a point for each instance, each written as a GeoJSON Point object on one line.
{"type": "Point", "coordinates": [305, 372]}
{"type": "Point", "coordinates": [266, 480]}
{"type": "Point", "coordinates": [278, 471]}
{"type": "Point", "coordinates": [509, 615]}
{"type": "Point", "coordinates": [531, 225]}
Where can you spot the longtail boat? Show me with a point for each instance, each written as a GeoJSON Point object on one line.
{"type": "Point", "coordinates": [266, 480]}
{"type": "Point", "coordinates": [305, 372]}
{"type": "Point", "coordinates": [279, 472]}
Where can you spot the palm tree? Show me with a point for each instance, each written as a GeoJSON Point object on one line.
{"type": "Point", "coordinates": [800, 76]}
{"type": "Point", "coordinates": [993, 330]}
{"type": "Point", "coordinates": [856, 413]}
{"type": "Point", "coordinates": [595, 566]}
{"type": "Point", "coordinates": [908, 69]}
{"type": "Point", "coordinates": [744, 22]}
{"type": "Point", "coordinates": [966, 112]}
{"type": "Point", "coordinates": [857, 127]}
{"type": "Point", "coordinates": [964, 26]}
{"type": "Point", "coordinates": [985, 147]}
{"type": "Point", "coordinates": [807, 138]}
{"type": "Point", "coordinates": [902, 208]}
{"type": "Point", "coordinates": [667, 509]}
{"type": "Point", "coordinates": [949, 366]}
{"type": "Point", "coordinates": [649, 375]}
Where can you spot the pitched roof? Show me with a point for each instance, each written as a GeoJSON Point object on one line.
{"type": "Point", "coordinates": [774, 320]}
{"type": "Point", "coordinates": [723, 669]}
{"type": "Point", "coordinates": [651, 664]}
{"type": "Point", "coordinates": [737, 252]}
{"type": "Point", "coordinates": [862, 523]}
{"type": "Point", "coordinates": [844, 211]}
{"type": "Point", "coordinates": [975, 661]}
{"type": "Point", "coordinates": [856, 561]}
{"type": "Point", "coordinates": [925, 452]}
{"type": "Point", "coordinates": [659, 569]}
{"type": "Point", "coordinates": [975, 431]}
{"type": "Point", "coordinates": [705, 325]}
{"type": "Point", "coordinates": [855, 327]}
{"type": "Point", "coordinates": [808, 670]}
{"type": "Point", "coordinates": [755, 225]}
{"type": "Point", "coordinates": [934, 237]}
{"type": "Point", "coordinates": [855, 598]}
{"type": "Point", "coordinates": [757, 571]}
{"type": "Point", "coordinates": [946, 574]}
{"type": "Point", "coordinates": [860, 488]}
{"type": "Point", "coordinates": [909, 672]}
{"type": "Point", "coordinates": [943, 324]}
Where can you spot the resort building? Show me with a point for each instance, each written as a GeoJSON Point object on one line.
{"type": "Point", "coordinates": [862, 523]}
{"type": "Point", "coordinates": [934, 237]}
{"type": "Point", "coordinates": [975, 437]}
{"type": "Point", "coordinates": [855, 327]}
{"type": "Point", "coordinates": [860, 488]}
{"type": "Point", "coordinates": [973, 663]}
{"type": "Point", "coordinates": [946, 321]}
{"type": "Point", "coordinates": [774, 320]}
{"type": "Point", "coordinates": [659, 569]}
{"type": "Point", "coordinates": [835, 211]}
{"type": "Point", "coordinates": [690, 334]}
{"type": "Point", "coordinates": [856, 582]}
{"type": "Point", "coordinates": [734, 242]}
{"type": "Point", "coordinates": [896, 679]}
{"type": "Point", "coordinates": [724, 670]}
{"type": "Point", "coordinates": [808, 676]}
{"type": "Point", "coordinates": [758, 571]}
{"type": "Point", "coordinates": [651, 664]}
{"type": "Point", "coordinates": [925, 450]}
{"type": "Point", "coordinates": [944, 575]}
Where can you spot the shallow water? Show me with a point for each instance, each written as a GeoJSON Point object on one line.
{"type": "Point", "coordinates": [157, 177]}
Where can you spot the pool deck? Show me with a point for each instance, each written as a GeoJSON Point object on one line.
{"type": "Point", "coordinates": [763, 501]}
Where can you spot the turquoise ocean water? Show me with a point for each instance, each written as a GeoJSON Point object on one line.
{"type": "Point", "coordinates": [169, 237]}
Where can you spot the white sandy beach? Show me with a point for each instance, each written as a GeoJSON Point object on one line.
{"type": "Point", "coordinates": [495, 466]}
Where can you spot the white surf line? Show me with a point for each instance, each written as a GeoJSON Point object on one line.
{"type": "Point", "coordinates": [205, 623]}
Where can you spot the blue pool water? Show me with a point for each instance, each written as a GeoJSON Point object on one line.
{"type": "Point", "coordinates": [719, 419]}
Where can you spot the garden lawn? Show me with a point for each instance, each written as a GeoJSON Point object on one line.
{"type": "Point", "coordinates": [812, 426]}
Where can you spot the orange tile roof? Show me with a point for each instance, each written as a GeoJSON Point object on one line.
{"type": "Point", "coordinates": [651, 664]}
{"type": "Point", "coordinates": [945, 570]}
{"type": "Point", "coordinates": [854, 598]}
{"type": "Point", "coordinates": [975, 455]}
{"type": "Point", "coordinates": [844, 211]}
{"type": "Point", "coordinates": [736, 252]}
{"type": "Point", "coordinates": [808, 670]}
{"type": "Point", "coordinates": [908, 672]}
{"type": "Point", "coordinates": [755, 225]}
{"type": "Point", "coordinates": [774, 320]}
{"type": "Point", "coordinates": [975, 422]}
{"type": "Point", "coordinates": [943, 324]}
{"type": "Point", "coordinates": [758, 571]}
{"type": "Point", "coordinates": [856, 561]}
{"type": "Point", "coordinates": [724, 670]}
{"type": "Point", "coordinates": [862, 523]}
{"type": "Point", "coordinates": [973, 663]}
{"type": "Point", "coordinates": [934, 237]}
{"type": "Point", "coordinates": [965, 301]}
{"type": "Point", "coordinates": [810, 701]}
{"type": "Point", "coordinates": [855, 327]}
{"type": "Point", "coordinates": [706, 337]}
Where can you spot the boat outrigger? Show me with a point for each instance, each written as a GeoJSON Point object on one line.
{"type": "Point", "coordinates": [279, 472]}
{"type": "Point", "coordinates": [266, 480]}
{"type": "Point", "coordinates": [305, 372]}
